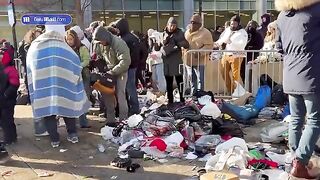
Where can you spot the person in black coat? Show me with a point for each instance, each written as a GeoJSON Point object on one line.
{"type": "Point", "coordinates": [299, 41]}
{"type": "Point", "coordinates": [265, 21]}
{"type": "Point", "coordinates": [255, 42]}
{"type": "Point", "coordinates": [134, 46]}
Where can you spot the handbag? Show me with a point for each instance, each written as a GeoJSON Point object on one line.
{"type": "Point", "coordinates": [98, 73]}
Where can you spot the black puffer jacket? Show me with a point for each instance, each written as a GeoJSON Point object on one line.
{"type": "Point", "coordinates": [131, 40]}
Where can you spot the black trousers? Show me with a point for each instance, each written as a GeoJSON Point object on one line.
{"type": "Point", "coordinates": [7, 123]}
{"type": "Point", "coordinates": [169, 81]}
{"type": "Point", "coordinates": [51, 125]}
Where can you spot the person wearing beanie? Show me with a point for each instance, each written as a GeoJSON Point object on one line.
{"type": "Point", "coordinates": [199, 38]}
{"type": "Point", "coordinates": [265, 21]}
{"type": "Point", "coordinates": [117, 56]}
{"type": "Point", "coordinates": [234, 38]}
{"type": "Point", "coordinates": [298, 38]}
{"type": "Point", "coordinates": [171, 49]}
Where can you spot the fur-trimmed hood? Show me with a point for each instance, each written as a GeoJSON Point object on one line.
{"type": "Point", "coordinates": [286, 5]}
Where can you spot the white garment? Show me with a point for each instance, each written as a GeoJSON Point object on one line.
{"type": "Point", "coordinates": [238, 39]}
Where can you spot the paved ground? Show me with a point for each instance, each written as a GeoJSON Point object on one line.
{"type": "Point", "coordinates": [33, 157]}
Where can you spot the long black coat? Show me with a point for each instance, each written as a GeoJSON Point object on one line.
{"type": "Point", "coordinates": [172, 53]}
{"type": "Point", "coordinates": [299, 39]}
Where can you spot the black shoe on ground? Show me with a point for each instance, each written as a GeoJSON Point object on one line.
{"type": "Point", "coordinates": [4, 155]}
{"type": "Point", "coordinates": [85, 127]}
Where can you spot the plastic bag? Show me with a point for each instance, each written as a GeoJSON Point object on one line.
{"type": "Point", "coordinates": [211, 109]}
{"type": "Point", "coordinates": [239, 91]}
{"type": "Point", "coordinates": [134, 120]}
{"type": "Point", "coordinates": [273, 133]}
{"type": "Point", "coordinates": [106, 132]}
{"type": "Point", "coordinates": [233, 142]}
{"type": "Point", "coordinates": [174, 139]}
{"type": "Point", "coordinates": [227, 158]}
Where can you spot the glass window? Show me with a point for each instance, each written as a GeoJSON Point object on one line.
{"type": "Point", "coordinates": [165, 5]}
{"type": "Point", "coordinates": [36, 6]}
{"type": "Point", "coordinates": [134, 19]}
{"type": "Point", "coordinates": [178, 5]}
{"type": "Point", "coordinates": [68, 5]}
{"type": "Point", "coordinates": [131, 4]}
{"type": "Point", "coordinates": [234, 5]}
{"type": "Point", "coordinates": [149, 20]}
{"type": "Point", "coordinates": [148, 4]}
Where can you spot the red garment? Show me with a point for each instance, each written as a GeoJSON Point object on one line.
{"type": "Point", "coordinates": [264, 161]}
{"type": "Point", "coordinates": [10, 71]}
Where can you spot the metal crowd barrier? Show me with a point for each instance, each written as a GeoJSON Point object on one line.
{"type": "Point", "coordinates": [257, 63]}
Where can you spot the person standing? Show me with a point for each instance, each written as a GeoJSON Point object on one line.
{"type": "Point", "coordinates": [299, 41]}
{"type": "Point", "coordinates": [133, 44]}
{"type": "Point", "coordinates": [255, 42]}
{"type": "Point", "coordinates": [55, 84]}
{"type": "Point", "coordinates": [155, 61]}
{"type": "Point", "coordinates": [117, 57]}
{"type": "Point", "coordinates": [234, 38]}
{"type": "Point", "coordinates": [265, 21]}
{"type": "Point", "coordinates": [82, 51]}
{"type": "Point", "coordinates": [199, 38]}
{"type": "Point", "coordinates": [8, 95]}
{"type": "Point", "coordinates": [171, 49]}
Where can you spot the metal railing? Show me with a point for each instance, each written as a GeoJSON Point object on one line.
{"type": "Point", "coordinates": [216, 67]}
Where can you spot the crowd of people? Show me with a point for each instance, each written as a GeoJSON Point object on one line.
{"type": "Point", "coordinates": [60, 66]}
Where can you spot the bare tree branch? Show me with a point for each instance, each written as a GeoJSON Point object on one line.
{"type": "Point", "coordinates": [86, 3]}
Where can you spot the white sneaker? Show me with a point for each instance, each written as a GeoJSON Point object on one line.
{"type": "Point", "coordinates": [43, 134]}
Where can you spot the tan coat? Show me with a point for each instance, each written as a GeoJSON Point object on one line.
{"type": "Point", "coordinates": [199, 40]}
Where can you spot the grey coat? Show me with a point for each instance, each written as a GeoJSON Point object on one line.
{"type": "Point", "coordinates": [299, 40]}
{"type": "Point", "coordinates": [172, 54]}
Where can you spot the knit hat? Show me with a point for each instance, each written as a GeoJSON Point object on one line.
{"type": "Point", "coordinates": [196, 18]}
{"type": "Point", "coordinates": [172, 20]}
{"type": "Point", "coordinates": [102, 34]}
{"type": "Point", "coordinates": [235, 18]}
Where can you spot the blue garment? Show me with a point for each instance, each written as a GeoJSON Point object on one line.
{"type": "Point", "coordinates": [263, 97]}
{"type": "Point", "coordinates": [54, 77]}
{"type": "Point", "coordinates": [302, 107]}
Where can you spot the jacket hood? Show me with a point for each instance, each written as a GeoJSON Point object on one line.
{"type": "Point", "coordinates": [102, 34]}
{"type": "Point", "coordinates": [123, 26]}
{"type": "Point", "coordinates": [287, 5]}
{"type": "Point", "coordinates": [6, 59]}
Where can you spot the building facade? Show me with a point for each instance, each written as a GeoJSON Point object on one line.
{"type": "Point", "coordinates": [142, 14]}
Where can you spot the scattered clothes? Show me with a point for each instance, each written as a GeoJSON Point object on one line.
{"type": "Point", "coordinates": [121, 163]}
{"type": "Point", "coordinates": [191, 156]}
{"type": "Point", "coordinates": [263, 163]}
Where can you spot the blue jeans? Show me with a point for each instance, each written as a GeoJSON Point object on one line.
{"type": "Point", "coordinates": [303, 143]}
{"type": "Point", "coordinates": [158, 77]}
{"type": "Point", "coordinates": [195, 77]}
{"type": "Point", "coordinates": [132, 94]}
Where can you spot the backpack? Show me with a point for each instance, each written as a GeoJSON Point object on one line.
{"type": "Point", "coordinates": [188, 112]}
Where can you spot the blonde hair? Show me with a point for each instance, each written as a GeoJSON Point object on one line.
{"type": "Point", "coordinates": [271, 35]}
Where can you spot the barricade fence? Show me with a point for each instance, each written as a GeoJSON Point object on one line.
{"type": "Point", "coordinates": [230, 73]}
